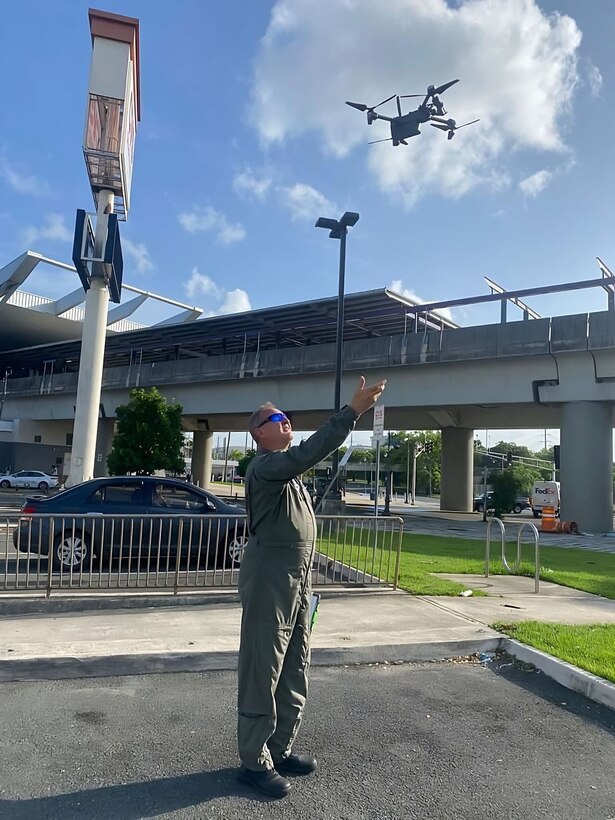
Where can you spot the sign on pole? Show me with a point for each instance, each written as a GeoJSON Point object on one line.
{"type": "Point", "coordinates": [378, 421]}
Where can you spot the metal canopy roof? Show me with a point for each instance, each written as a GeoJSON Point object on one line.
{"type": "Point", "coordinates": [370, 313]}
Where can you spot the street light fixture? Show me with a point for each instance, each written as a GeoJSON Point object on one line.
{"type": "Point", "coordinates": [338, 230]}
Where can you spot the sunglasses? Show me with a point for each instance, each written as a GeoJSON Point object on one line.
{"type": "Point", "coordinates": [281, 417]}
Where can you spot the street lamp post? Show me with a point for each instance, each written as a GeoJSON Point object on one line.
{"type": "Point", "coordinates": [339, 230]}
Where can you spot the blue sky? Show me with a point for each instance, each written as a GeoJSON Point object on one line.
{"type": "Point", "coordinates": [245, 140]}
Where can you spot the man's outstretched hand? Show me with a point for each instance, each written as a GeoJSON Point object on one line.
{"type": "Point", "coordinates": [366, 397]}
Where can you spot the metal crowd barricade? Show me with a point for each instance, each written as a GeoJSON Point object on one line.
{"type": "Point", "coordinates": [517, 563]}
{"type": "Point", "coordinates": [176, 553]}
{"type": "Point", "coordinates": [359, 550]}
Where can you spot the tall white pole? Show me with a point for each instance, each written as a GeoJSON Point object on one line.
{"type": "Point", "coordinates": [91, 360]}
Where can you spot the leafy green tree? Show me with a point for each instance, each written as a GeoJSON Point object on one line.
{"type": "Point", "coordinates": [362, 456]}
{"type": "Point", "coordinates": [511, 483]}
{"type": "Point", "coordinates": [236, 455]}
{"type": "Point", "coordinates": [428, 465]}
{"type": "Point", "coordinates": [149, 435]}
{"type": "Point", "coordinates": [509, 446]}
{"type": "Point", "coordinates": [243, 462]}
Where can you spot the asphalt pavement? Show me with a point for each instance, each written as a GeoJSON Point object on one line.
{"type": "Point", "coordinates": [430, 741]}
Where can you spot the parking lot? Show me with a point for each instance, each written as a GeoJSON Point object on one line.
{"type": "Point", "coordinates": [432, 741]}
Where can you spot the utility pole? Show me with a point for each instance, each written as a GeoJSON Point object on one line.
{"type": "Point", "coordinates": [415, 455]}
{"type": "Point", "coordinates": [408, 472]}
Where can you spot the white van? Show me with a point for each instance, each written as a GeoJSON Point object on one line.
{"type": "Point", "coordinates": [545, 494]}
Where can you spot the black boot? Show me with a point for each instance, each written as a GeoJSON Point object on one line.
{"type": "Point", "coordinates": [295, 764]}
{"type": "Point", "coordinates": [267, 781]}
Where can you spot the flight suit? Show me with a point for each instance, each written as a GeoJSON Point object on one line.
{"type": "Point", "coordinates": [275, 588]}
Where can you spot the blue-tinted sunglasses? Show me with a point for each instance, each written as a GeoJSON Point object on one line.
{"type": "Point", "coordinates": [275, 417]}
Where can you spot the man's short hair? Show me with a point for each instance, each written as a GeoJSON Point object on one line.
{"type": "Point", "coordinates": [257, 416]}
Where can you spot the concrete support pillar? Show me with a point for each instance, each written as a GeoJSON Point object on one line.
{"type": "Point", "coordinates": [201, 458]}
{"type": "Point", "coordinates": [586, 465]}
{"type": "Point", "coordinates": [104, 443]}
{"type": "Point", "coordinates": [457, 469]}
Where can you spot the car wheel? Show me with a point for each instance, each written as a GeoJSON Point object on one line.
{"type": "Point", "coordinates": [6, 485]}
{"type": "Point", "coordinates": [517, 509]}
{"type": "Point", "coordinates": [70, 552]}
{"type": "Point", "coordinates": [43, 486]}
{"type": "Point", "coordinates": [536, 513]}
{"type": "Point", "coordinates": [479, 508]}
{"type": "Point", "coordinates": [233, 550]}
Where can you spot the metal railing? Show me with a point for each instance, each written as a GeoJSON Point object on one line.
{"type": "Point", "coordinates": [174, 553]}
{"type": "Point", "coordinates": [517, 563]}
{"type": "Point", "coordinates": [358, 550]}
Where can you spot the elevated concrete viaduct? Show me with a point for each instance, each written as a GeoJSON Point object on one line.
{"type": "Point", "coordinates": [557, 372]}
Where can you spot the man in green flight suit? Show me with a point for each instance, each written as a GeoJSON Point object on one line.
{"type": "Point", "coordinates": [275, 590]}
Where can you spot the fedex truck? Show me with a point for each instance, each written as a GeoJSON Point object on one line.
{"type": "Point", "coordinates": [545, 494]}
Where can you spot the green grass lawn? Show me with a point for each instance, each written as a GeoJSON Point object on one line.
{"type": "Point", "coordinates": [590, 647]}
{"type": "Point", "coordinates": [423, 555]}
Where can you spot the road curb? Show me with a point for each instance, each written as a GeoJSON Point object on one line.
{"type": "Point", "coordinates": [593, 687]}
{"type": "Point", "coordinates": [95, 666]}
{"type": "Point", "coordinates": [56, 604]}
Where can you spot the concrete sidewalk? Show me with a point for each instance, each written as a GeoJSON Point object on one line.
{"type": "Point", "coordinates": [353, 626]}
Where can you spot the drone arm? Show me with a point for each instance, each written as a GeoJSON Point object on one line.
{"type": "Point", "coordinates": [382, 117]}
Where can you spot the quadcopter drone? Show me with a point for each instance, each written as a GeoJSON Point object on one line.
{"type": "Point", "coordinates": [431, 110]}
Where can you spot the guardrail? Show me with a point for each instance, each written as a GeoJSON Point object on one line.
{"type": "Point", "coordinates": [175, 553]}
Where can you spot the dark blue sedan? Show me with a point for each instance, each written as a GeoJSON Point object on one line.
{"type": "Point", "coordinates": [132, 518]}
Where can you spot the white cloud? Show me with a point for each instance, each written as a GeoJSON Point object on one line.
{"type": "Point", "coordinates": [205, 220]}
{"type": "Point", "coordinates": [247, 182]}
{"type": "Point", "coordinates": [398, 287]}
{"type": "Point", "coordinates": [305, 202]}
{"type": "Point", "coordinates": [595, 80]}
{"type": "Point", "coordinates": [235, 301]}
{"type": "Point", "coordinates": [217, 299]}
{"type": "Point", "coordinates": [139, 255]}
{"type": "Point", "coordinates": [20, 180]}
{"type": "Point", "coordinates": [536, 183]}
{"type": "Point", "coordinates": [54, 228]}
{"type": "Point", "coordinates": [517, 65]}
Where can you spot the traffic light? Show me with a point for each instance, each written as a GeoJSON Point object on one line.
{"type": "Point", "coordinates": [509, 458]}
{"type": "Point", "coordinates": [556, 455]}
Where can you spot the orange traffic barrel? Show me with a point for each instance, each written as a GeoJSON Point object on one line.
{"type": "Point", "coordinates": [549, 523]}
{"type": "Point", "coordinates": [569, 527]}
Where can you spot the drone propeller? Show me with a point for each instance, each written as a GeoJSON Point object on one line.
{"type": "Point", "coordinates": [457, 127]}
{"type": "Point", "coordinates": [451, 126]}
{"type": "Point", "coordinates": [406, 96]}
{"type": "Point", "coordinates": [387, 139]}
{"type": "Point", "coordinates": [442, 88]}
{"type": "Point", "coordinates": [363, 107]}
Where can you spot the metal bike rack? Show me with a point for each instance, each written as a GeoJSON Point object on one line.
{"type": "Point", "coordinates": [515, 567]}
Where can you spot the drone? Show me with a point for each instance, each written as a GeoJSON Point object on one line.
{"type": "Point", "coordinates": [404, 126]}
